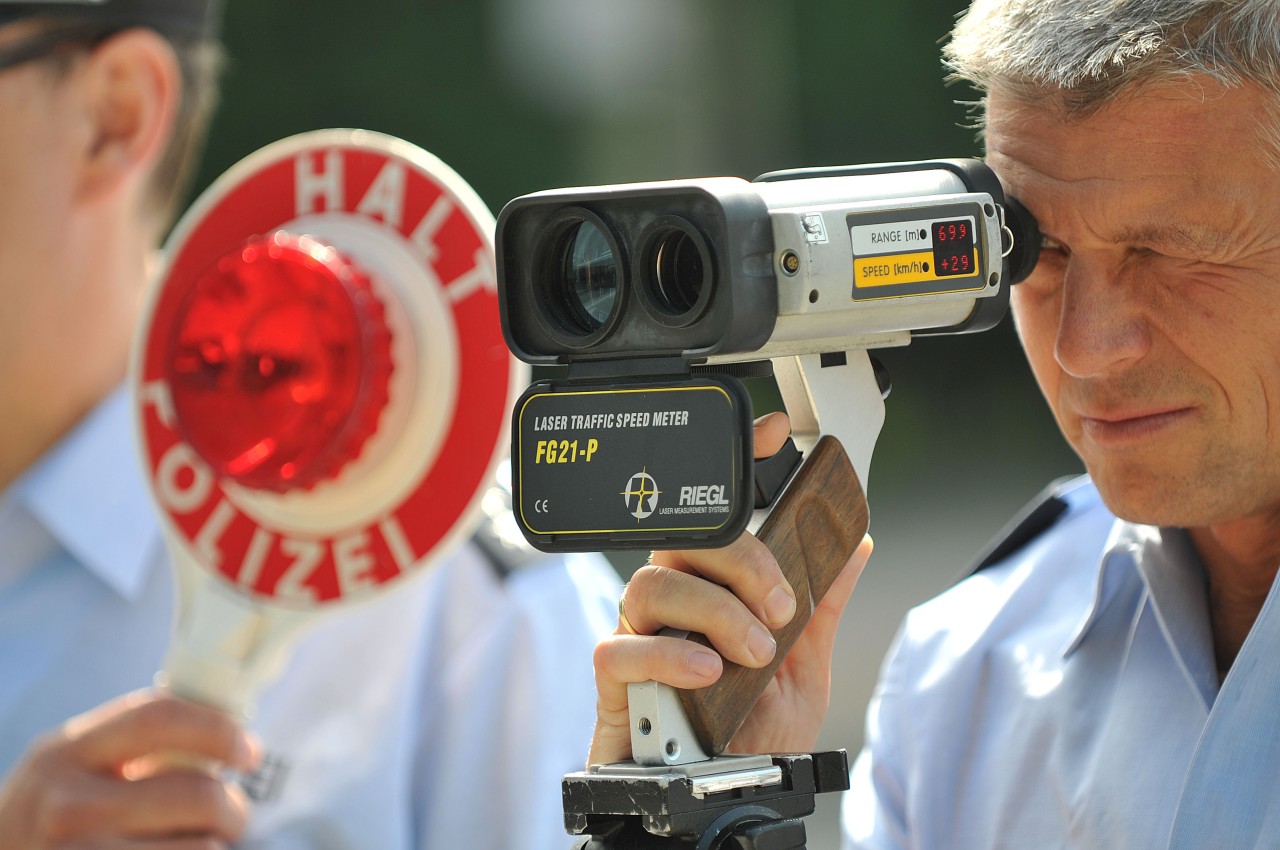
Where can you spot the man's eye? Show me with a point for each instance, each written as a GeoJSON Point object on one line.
{"type": "Point", "coordinates": [1048, 243]}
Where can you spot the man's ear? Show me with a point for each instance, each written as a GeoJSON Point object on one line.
{"type": "Point", "coordinates": [131, 84]}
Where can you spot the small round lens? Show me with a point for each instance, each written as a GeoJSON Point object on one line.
{"type": "Point", "coordinates": [589, 276]}
{"type": "Point", "coordinates": [678, 270]}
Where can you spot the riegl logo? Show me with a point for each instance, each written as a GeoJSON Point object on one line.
{"type": "Point", "coordinates": [704, 494]}
{"type": "Point", "coordinates": [641, 495]}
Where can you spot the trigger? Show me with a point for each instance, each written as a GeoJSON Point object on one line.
{"type": "Point", "coordinates": [772, 473]}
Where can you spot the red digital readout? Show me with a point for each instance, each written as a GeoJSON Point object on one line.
{"type": "Point", "coordinates": [953, 250]}
{"type": "Point", "coordinates": [950, 231]}
{"type": "Point", "coordinates": [959, 264]}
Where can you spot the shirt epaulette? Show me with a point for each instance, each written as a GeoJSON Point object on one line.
{"type": "Point", "coordinates": [1037, 517]}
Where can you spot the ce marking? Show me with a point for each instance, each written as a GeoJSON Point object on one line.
{"type": "Point", "coordinates": [542, 506]}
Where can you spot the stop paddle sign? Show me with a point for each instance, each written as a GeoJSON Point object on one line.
{"type": "Point", "coordinates": [321, 391]}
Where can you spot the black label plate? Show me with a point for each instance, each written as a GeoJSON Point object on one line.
{"type": "Point", "coordinates": [613, 467]}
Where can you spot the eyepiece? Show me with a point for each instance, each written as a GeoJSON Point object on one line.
{"type": "Point", "coordinates": [1024, 230]}
{"type": "Point", "coordinates": [678, 270]}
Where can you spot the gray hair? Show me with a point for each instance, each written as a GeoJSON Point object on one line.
{"type": "Point", "coordinates": [1089, 51]}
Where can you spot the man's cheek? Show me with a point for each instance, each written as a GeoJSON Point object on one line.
{"type": "Point", "coordinates": [1037, 331]}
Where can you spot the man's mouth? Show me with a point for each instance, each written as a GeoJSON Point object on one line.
{"type": "Point", "coordinates": [1122, 427]}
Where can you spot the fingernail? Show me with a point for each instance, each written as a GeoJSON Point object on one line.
{"type": "Point", "coordinates": [779, 606]}
{"type": "Point", "coordinates": [761, 644]}
{"type": "Point", "coordinates": [248, 751]}
{"type": "Point", "coordinates": [704, 664]}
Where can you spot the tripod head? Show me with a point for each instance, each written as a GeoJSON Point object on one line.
{"type": "Point", "coordinates": [662, 808]}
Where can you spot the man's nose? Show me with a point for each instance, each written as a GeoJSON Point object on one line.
{"type": "Point", "coordinates": [1102, 328]}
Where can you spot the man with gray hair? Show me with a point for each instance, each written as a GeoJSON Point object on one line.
{"type": "Point", "coordinates": [1110, 682]}
{"type": "Point", "coordinates": [1107, 677]}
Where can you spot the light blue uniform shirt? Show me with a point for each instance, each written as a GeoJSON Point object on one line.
{"type": "Point", "coordinates": [439, 714]}
{"type": "Point", "coordinates": [1068, 697]}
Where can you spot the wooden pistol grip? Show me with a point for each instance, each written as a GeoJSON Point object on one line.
{"type": "Point", "coordinates": [812, 531]}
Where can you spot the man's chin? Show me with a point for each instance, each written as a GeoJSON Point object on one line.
{"type": "Point", "coordinates": [1145, 499]}
{"type": "Point", "coordinates": [1176, 500]}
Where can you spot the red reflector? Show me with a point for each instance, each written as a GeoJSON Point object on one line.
{"type": "Point", "coordinates": [279, 363]}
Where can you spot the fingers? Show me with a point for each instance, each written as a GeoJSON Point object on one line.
{"type": "Point", "coordinates": [746, 567]}
{"type": "Point", "coordinates": [672, 661]}
{"type": "Point", "coordinates": [658, 598]}
{"type": "Point", "coordinates": [771, 432]}
{"type": "Point", "coordinates": [639, 658]}
{"type": "Point", "coordinates": [790, 712]}
{"type": "Point", "coordinates": [673, 590]}
{"type": "Point", "coordinates": [732, 595]}
{"type": "Point", "coordinates": [111, 777]}
{"type": "Point", "coordinates": [703, 589]}
{"type": "Point", "coordinates": [173, 844]}
{"type": "Point", "coordinates": [149, 722]}
{"type": "Point", "coordinates": [178, 803]}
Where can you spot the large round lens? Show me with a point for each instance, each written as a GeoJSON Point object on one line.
{"type": "Point", "coordinates": [589, 275]}
{"type": "Point", "coordinates": [678, 272]}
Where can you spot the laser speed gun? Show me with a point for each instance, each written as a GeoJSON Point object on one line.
{"type": "Point", "coordinates": [646, 291]}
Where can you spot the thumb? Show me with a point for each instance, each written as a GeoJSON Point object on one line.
{"type": "Point", "coordinates": [770, 433]}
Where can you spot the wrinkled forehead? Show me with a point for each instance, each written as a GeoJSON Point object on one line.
{"type": "Point", "coordinates": [1196, 122]}
{"type": "Point", "coordinates": [1189, 151]}
{"type": "Point", "coordinates": [180, 19]}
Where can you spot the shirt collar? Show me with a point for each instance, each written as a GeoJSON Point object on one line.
{"type": "Point", "coordinates": [1117, 560]}
{"type": "Point", "coordinates": [88, 493]}
{"type": "Point", "coordinates": [1169, 568]}
{"type": "Point", "coordinates": [1175, 578]}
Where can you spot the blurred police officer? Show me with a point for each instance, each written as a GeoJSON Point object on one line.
{"type": "Point", "coordinates": [441, 714]}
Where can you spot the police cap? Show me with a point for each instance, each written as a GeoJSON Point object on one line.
{"type": "Point", "coordinates": [175, 19]}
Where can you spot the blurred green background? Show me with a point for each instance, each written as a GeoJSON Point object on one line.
{"type": "Point", "coordinates": [521, 95]}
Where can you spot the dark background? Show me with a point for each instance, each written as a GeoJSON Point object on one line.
{"type": "Point", "coordinates": [521, 95]}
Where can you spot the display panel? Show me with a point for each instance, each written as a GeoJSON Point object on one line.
{"type": "Point", "coordinates": [902, 253]}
